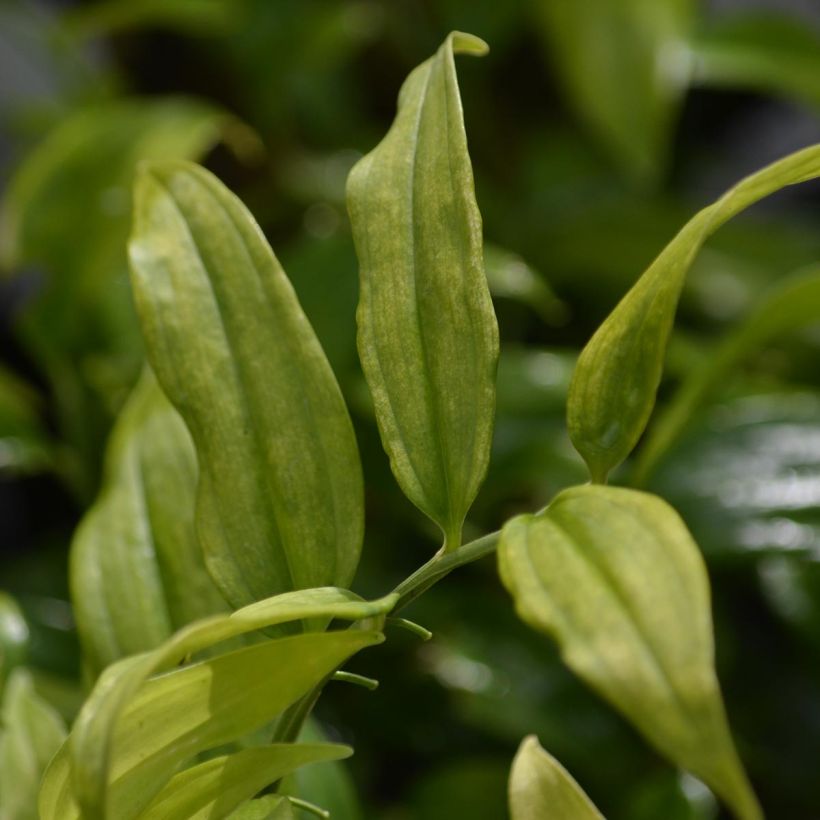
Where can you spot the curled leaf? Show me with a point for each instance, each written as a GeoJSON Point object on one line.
{"type": "Point", "coordinates": [614, 384]}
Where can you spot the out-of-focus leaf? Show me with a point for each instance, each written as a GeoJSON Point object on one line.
{"type": "Point", "coordinates": [428, 338]}
{"type": "Point", "coordinates": [14, 636]}
{"type": "Point", "coordinates": [67, 212]}
{"type": "Point", "coordinates": [463, 787]}
{"type": "Point", "coordinates": [30, 735]}
{"type": "Point", "coordinates": [772, 53]}
{"type": "Point", "coordinates": [579, 571]}
{"type": "Point", "coordinates": [510, 277]}
{"type": "Point", "coordinates": [788, 306]}
{"type": "Point", "coordinates": [746, 476]}
{"type": "Point", "coordinates": [542, 789]}
{"type": "Point", "coordinates": [24, 443]}
{"type": "Point", "coordinates": [271, 807]}
{"type": "Point", "coordinates": [137, 572]}
{"type": "Point", "coordinates": [112, 16]}
{"type": "Point", "coordinates": [326, 784]}
{"type": "Point", "coordinates": [624, 65]}
{"type": "Point", "coordinates": [107, 757]}
{"type": "Point", "coordinates": [223, 783]}
{"type": "Point", "coordinates": [280, 500]}
{"type": "Point", "coordinates": [614, 384]}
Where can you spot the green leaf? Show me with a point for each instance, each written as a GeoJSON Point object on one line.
{"type": "Point", "coordinates": [188, 16]}
{"type": "Point", "coordinates": [280, 499]}
{"type": "Point", "coordinates": [624, 66]}
{"type": "Point", "coordinates": [769, 53]}
{"type": "Point", "coordinates": [24, 443]}
{"type": "Point", "coordinates": [542, 789]}
{"type": "Point", "coordinates": [510, 277]}
{"type": "Point", "coordinates": [67, 211]}
{"type": "Point", "coordinates": [428, 338]}
{"type": "Point", "coordinates": [790, 305]}
{"type": "Point", "coordinates": [137, 572]}
{"type": "Point", "coordinates": [14, 636]}
{"type": "Point", "coordinates": [614, 384]}
{"type": "Point", "coordinates": [108, 757]}
{"type": "Point", "coordinates": [218, 786]}
{"type": "Point", "coordinates": [326, 784]}
{"type": "Point", "coordinates": [614, 576]}
{"type": "Point", "coordinates": [743, 474]}
{"type": "Point", "coordinates": [270, 807]}
{"type": "Point", "coordinates": [31, 734]}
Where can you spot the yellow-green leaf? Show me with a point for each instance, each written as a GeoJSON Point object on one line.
{"type": "Point", "coordinates": [615, 577]}
{"type": "Point", "coordinates": [111, 767]}
{"type": "Point", "coordinates": [137, 572]}
{"type": "Point", "coordinates": [542, 789]}
{"type": "Point", "coordinates": [280, 499]}
{"type": "Point", "coordinates": [270, 807]}
{"type": "Point", "coordinates": [614, 384]}
{"type": "Point", "coordinates": [788, 306]}
{"type": "Point", "coordinates": [428, 338]}
{"type": "Point", "coordinates": [31, 732]}
{"type": "Point", "coordinates": [218, 786]}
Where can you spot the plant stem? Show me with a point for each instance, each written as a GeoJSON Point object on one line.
{"type": "Point", "coordinates": [442, 564]}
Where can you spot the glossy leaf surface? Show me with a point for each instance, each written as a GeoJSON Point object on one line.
{"type": "Point", "coordinates": [137, 572]}
{"type": "Point", "coordinates": [428, 338]}
{"type": "Point", "coordinates": [280, 499]}
{"type": "Point", "coordinates": [624, 66]}
{"type": "Point", "coordinates": [614, 576]}
{"type": "Point", "coordinates": [30, 734]}
{"type": "Point", "coordinates": [220, 785]}
{"type": "Point", "coordinates": [790, 305]}
{"type": "Point", "coordinates": [113, 707]}
{"type": "Point", "coordinates": [614, 385]}
{"type": "Point", "coordinates": [542, 789]}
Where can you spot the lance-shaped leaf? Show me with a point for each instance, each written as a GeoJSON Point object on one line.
{"type": "Point", "coordinates": [137, 572]}
{"type": "Point", "coordinates": [614, 385]}
{"type": "Point", "coordinates": [615, 577]}
{"type": "Point", "coordinates": [541, 788]}
{"type": "Point", "coordinates": [790, 305]}
{"type": "Point", "coordinates": [30, 734]}
{"type": "Point", "coordinates": [428, 338]}
{"type": "Point", "coordinates": [220, 785]}
{"type": "Point", "coordinates": [624, 65]}
{"type": "Point", "coordinates": [110, 767]}
{"type": "Point", "coordinates": [280, 499]}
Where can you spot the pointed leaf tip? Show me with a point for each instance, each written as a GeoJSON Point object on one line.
{"type": "Point", "coordinates": [427, 334]}
{"type": "Point", "coordinates": [579, 571]}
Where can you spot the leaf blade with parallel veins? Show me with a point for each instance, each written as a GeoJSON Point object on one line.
{"type": "Point", "coordinates": [280, 500]}
{"type": "Point", "coordinates": [614, 576]}
{"type": "Point", "coordinates": [428, 339]}
{"type": "Point", "coordinates": [614, 385]}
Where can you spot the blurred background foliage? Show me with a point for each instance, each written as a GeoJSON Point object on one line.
{"type": "Point", "coordinates": [596, 128]}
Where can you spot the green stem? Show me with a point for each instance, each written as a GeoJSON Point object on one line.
{"type": "Point", "coordinates": [440, 565]}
